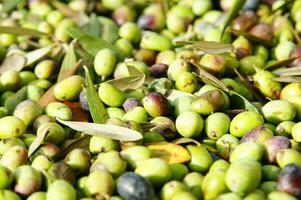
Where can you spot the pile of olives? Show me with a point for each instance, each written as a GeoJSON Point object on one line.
{"type": "Point", "coordinates": [219, 110]}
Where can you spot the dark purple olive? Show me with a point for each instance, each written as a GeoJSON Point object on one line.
{"type": "Point", "coordinates": [83, 101]}
{"type": "Point", "coordinates": [158, 70]}
{"type": "Point", "coordinates": [296, 53]}
{"type": "Point", "coordinates": [130, 103]}
{"type": "Point", "coordinates": [258, 135]}
{"type": "Point", "coordinates": [289, 180]}
{"type": "Point", "coordinates": [245, 21]}
{"type": "Point", "coordinates": [132, 186]}
{"type": "Point", "coordinates": [156, 104]}
{"type": "Point", "coordinates": [274, 145]}
{"type": "Point", "coordinates": [262, 31]}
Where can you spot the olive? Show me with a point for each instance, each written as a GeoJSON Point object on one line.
{"type": "Point", "coordinates": [61, 189]}
{"type": "Point", "coordinates": [156, 104]}
{"type": "Point", "coordinates": [110, 94]}
{"type": "Point", "coordinates": [11, 126]}
{"type": "Point", "coordinates": [69, 88]}
{"type": "Point", "coordinates": [274, 145]}
{"type": "Point", "coordinates": [132, 186]}
{"type": "Point", "coordinates": [247, 150]}
{"type": "Point", "coordinates": [189, 124]}
{"type": "Point", "coordinates": [170, 189]}
{"type": "Point", "coordinates": [200, 158]}
{"type": "Point", "coordinates": [58, 109]}
{"type": "Point", "coordinates": [216, 125]}
{"type": "Point", "coordinates": [28, 111]}
{"type": "Point", "coordinates": [104, 63]}
{"type": "Point", "coordinates": [289, 180]}
{"type": "Point", "coordinates": [258, 135]}
{"type": "Point", "coordinates": [130, 103]}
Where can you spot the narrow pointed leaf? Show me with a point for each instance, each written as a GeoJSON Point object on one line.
{"type": "Point", "coordinates": [92, 44]}
{"type": "Point", "coordinates": [9, 5]}
{"type": "Point", "coordinates": [82, 142]}
{"type": "Point", "coordinates": [208, 47]}
{"type": "Point", "coordinates": [247, 105]}
{"type": "Point", "coordinates": [13, 62]}
{"type": "Point", "coordinates": [288, 79]}
{"type": "Point", "coordinates": [232, 13]}
{"type": "Point", "coordinates": [20, 31]}
{"type": "Point", "coordinates": [293, 71]}
{"type": "Point", "coordinates": [98, 111]}
{"type": "Point", "coordinates": [109, 29]}
{"type": "Point", "coordinates": [170, 152]}
{"type": "Point", "coordinates": [94, 26]}
{"type": "Point", "coordinates": [41, 134]}
{"type": "Point", "coordinates": [105, 130]}
{"type": "Point", "coordinates": [11, 102]}
{"type": "Point", "coordinates": [64, 9]}
{"type": "Point", "coordinates": [280, 64]}
{"type": "Point", "coordinates": [37, 54]}
{"type": "Point", "coordinates": [130, 82]}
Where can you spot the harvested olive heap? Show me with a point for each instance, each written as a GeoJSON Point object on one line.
{"type": "Point", "coordinates": [150, 100]}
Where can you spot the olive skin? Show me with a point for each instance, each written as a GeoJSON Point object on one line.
{"type": "Point", "coordinates": [296, 132]}
{"type": "Point", "coordinates": [45, 69]}
{"type": "Point", "coordinates": [171, 188]}
{"type": "Point", "coordinates": [289, 180]}
{"type": "Point", "coordinates": [8, 194]}
{"type": "Point", "coordinates": [6, 177]}
{"type": "Point", "coordinates": [58, 109]}
{"type": "Point", "coordinates": [11, 127]}
{"type": "Point", "coordinates": [226, 144]}
{"type": "Point", "coordinates": [213, 184]}
{"type": "Point", "coordinates": [69, 88]}
{"type": "Point", "coordinates": [37, 196]}
{"type": "Point", "coordinates": [189, 124]}
{"type": "Point", "coordinates": [156, 104]}
{"type": "Point", "coordinates": [280, 195]}
{"type": "Point", "coordinates": [243, 176]}
{"type": "Point", "coordinates": [290, 90]}
{"type": "Point", "coordinates": [193, 181]}
{"type": "Point", "coordinates": [132, 155]}
{"type": "Point", "coordinates": [104, 63]}
{"type": "Point", "coordinates": [14, 157]}
{"type": "Point", "coordinates": [28, 111]}
{"type": "Point", "coordinates": [200, 159]}
{"type": "Point", "coordinates": [10, 80]}
{"type": "Point", "coordinates": [156, 170]}
{"type": "Point", "coordinates": [62, 190]}
{"type": "Point", "coordinates": [247, 150]}
{"type": "Point", "coordinates": [154, 41]}
{"type": "Point", "coordinates": [288, 156]}
{"type": "Point", "coordinates": [111, 95]}
{"type": "Point", "coordinates": [186, 82]}
{"type": "Point", "coordinates": [132, 186]}
{"type": "Point", "coordinates": [216, 125]}
{"type": "Point", "coordinates": [240, 124]}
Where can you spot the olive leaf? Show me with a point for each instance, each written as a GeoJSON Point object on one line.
{"type": "Point", "coordinates": [93, 44]}
{"type": "Point", "coordinates": [170, 152]}
{"type": "Point", "coordinates": [133, 81]}
{"type": "Point", "coordinates": [208, 47]}
{"type": "Point", "coordinates": [106, 130]}
{"type": "Point", "coordinates": [109, 29]}
{"type": "Point", "coordinates": [64, 9]}
{"type": "Point", "coordinates": [9, 5]}
{"type": "Point", "coordinates": [288, 79]}
{"type": "Point", "coordinates": [97, 109]}
{"type": "Point", "coordinates": [173, 94]}
{"type": "Point", "coordinates": [14, 30]}
{"type": "Point", "coordinates": [210, 79]}
{"type": "Point", "coordinates": [281, 63]}
{"type": "Point", "coordinates": [94, 26]}
{"type": "Point", "coordinates": [13, 62]}
{"type": "Point", "coordinates": [234, 10]}
{"type": "Point", "coordinates": [37, 54]}
{"type": "Point", "coordinates": [81, 142]}
{"type": "Point", "coordinates": [11, 102]}
{"type": "Point", "coordinates": [41, 134]}
{"type": "Point", "coordinates": [293, 71]}
{"type": "Point", "coordinates": [186, 141]}
{"type": "Point", "coordinates": [253, 39]}
{"type": "Point", "coordinates": [249, 86]}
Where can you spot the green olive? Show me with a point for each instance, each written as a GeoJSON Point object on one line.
{"type": "Point", "coordinates": [200, 159]}
{"type": "Point", "coordinates": [45, 69]}
{"type": "Point", "coordinates": [277, 111]}
{"type": "Point", "coordinates": [10, 80]}
{"type": "Point", "coordinates": [11, 127]}
{"type": "Point", "coordinates": [61, 189]}
{"type": "Point", "coordinates": [216, 125]}
{"type": "Point", "coordinates": [186, 82]}
{"type": "Point", "coordinates": [104, 63]}
{"type": "Point", "coordinates": [69, 88]}
{"type": "Point", "coordinates": [111, 95]}
{"type": "Point", "coordinates": [58, 109]}
{"type": "Point", "coordinates": [189, 124]}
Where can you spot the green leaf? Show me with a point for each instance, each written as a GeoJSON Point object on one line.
{"type": "Point", "coordinates": [247, 105]}
{"type": "Point", "coordinates": [41, 134]}
{"type": "Point", "coordinates": [21, 31]}
{"type": "Point", "coordinates": [13, 62]}
{"type": "Point", "coordinates": [68, 66]}
{"type": "Point", "coordinates": [37, 54]}
{"type": "Point", "coordinates": [94, 26]}
{"type": "Point", "coordinates": [208, 47]}
{"type": "Point", "coordinates": [134, 81]}
{"type": "Point", "coordinates": [109, 31]}
{"type": "Point", "coordinates": [11, 102]}
{"type": "Point", "coordinates": [280, 64]}
{"type": "Point", "coordinates": [9, 5]}
{"type": "Point", "coordinates": [234, 10]}
{"type": "Point", "coordinates": [288, 79]}
{"type": "Point", "coordinates": [64, 9]}
{"type": "Point", "coordinates": [93, 44]}
{"type": "Point", "coordinates": [293, 71]}
{"type": "Point", "coordinates": [254, 39]}
{"type": "Point", "coordinates": [82, 142]}
{"type": "Point", "coordinates": [106, 130]}
{"type": "Point", "coordinates": [98, 111]}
